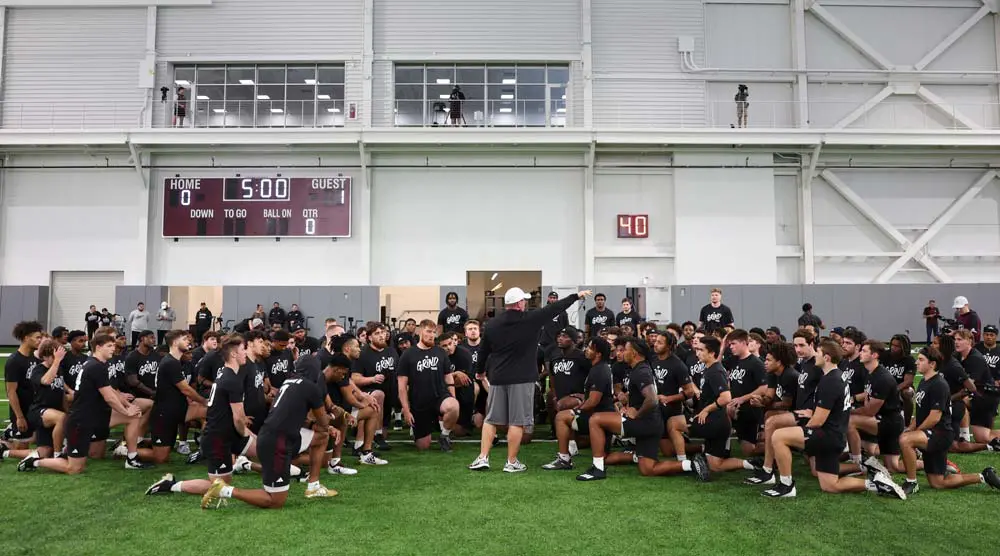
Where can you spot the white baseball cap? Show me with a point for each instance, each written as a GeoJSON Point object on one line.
{"type": "Point", "coordinates": [514, 295]}
{"type": "Point", "coordinates": [163, 305]}
{"type": "Point", "coordinates": [960, 302]}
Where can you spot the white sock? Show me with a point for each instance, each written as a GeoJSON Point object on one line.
{"type": "Point", "coordinates": [444, 431]}
{"type": "Point", "coordinates": [378, 432]}
{"type": "Point", "coordinates": [177, 487]}
{"type": "Point", "coordinates": [573, 448]}
{"type": "Point", "coordinates": [787, 481]}
{"type": "Point", "coordinates": [334, 462]}
{"type": "Point", "coordinates": [185, 442]}
{"type": "Point", "coordinates": [964, 434]}
{"type": "Point", "coordinates": [982, 478]}
{"type": "Point", "coordinates": [227, 492]}
{"type": "Point", "coordinates": [682, 457]}
{"type": "Point", "coordinates": [564, 457]}
{"type": "Point", "coordinates": [768, 470]}
{"type": "Point", "coordinates": [748, 466]}
{"type": "Point", "coordinates": [314, 484]}
{"type": "Point", "coordinates": [133, 455]}
{"type": "Point", "coordinates": [686, 465]}
{"type": "Point", "coordinates": [856, 459]}
{"type": "Point", "coordinates": [358, 444]}
{"type": "Point", "coordinates": [599, 463]}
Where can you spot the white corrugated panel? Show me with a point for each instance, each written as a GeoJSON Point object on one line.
{"type": "Point", "coordinates": [641, 35]}
{"type": "Point", "coordinates": [649, 103]}
{"type": "Point", "coordinates": [478, 29]}
{"type": "Point", "coordinates": [383, 94]}
{"type": "Point", "coordinates": [74, 292]}
{"type": "Point", "coordinates": [239, 30]}
{"type": "Point", "coordinates": [73, 68]}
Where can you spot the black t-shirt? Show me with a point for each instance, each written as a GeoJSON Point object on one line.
{"type": "Point", "coordinates": [785, 384]}
{"type": "Point", "coordinates": [683, 351]}
{"type": "Point", "coordinates": [105, 319]}
{"type": "Point", "coordinates": [425, 370]}
{"type": "Point", "coordinates": [325, 357]}
{"type": "Point", "coordinates": [933, 394]}
{"type": "Point", "coordinates": [89, 407]}
{"type": "Point", "coordinates": [210, 365]}
{"type": "Point", "coordinates": [70, 368]}
{"type": "Point", "coordinates": [715, 317]}
{"type": "Point", "coordinates": [295, 317]}
{"type": "Point", "coordinates": [992, 357]}
{"type": "Point", "coordinates": [116, 373]}
{"type": "Point", "coordinates": [295, 399]}
{"type": "Point", "coordinates": [461, 360]}
{"type": "Point", "coordinates": [855, 374]}
{"type": "Point", "coordinates": [372, 363]}
{"type": "Point", "coordinates": [745, 375]}
{"type": "Point", "coordinates": [714, 381]}
{"type": "Point", "coordinates": [696, 367]}
{"type": "Point", "coordinates": [197, 354]}
{"type": "Point", "coordinates": [671, 375]}
{"type": "Point", "coordinates": [620, 372]}
{"type": "Point", "coordinates": [93, 319]}
{"type": "Point", "coordinates": [630, 318]}
{"type": "Point", "coordinates": [599, 380]}
{"type": "Point", "coordinates": [309, 345]}
{"type": "Point", "coordinates": [547, 336]}
{"type": "Point", "coordinates": [453, 320]}
{"type": "Point", "coordinates": [979, 371]}
{"type": "Point", "coordinates": [277, 366]}
{"type": "Point", "coordinates": [47, 396]}
{"type": "Point", "coordinates": [227, 389]}
{"type": "Point", "coordinates": [169, 399]}
{"type": "Point", "coordinates": [834, 394]}
{"type": "Point", "coordinates": [143, 366]}
{"type": "Point", "coordinates": [203, 320]}
{"type": "Point", "coordinates": [639, 378]}
{"type": "Point", "coordinates": [254, 397]}
{"type": "Point", "coordinates": [809, 377]}
{"type": "Point", "coordinates": [900, 367]}
{"type": "Point", "coordinates": [955, 375]}
{"type": "Point", "coordinates": [474, 351]}
{"type": "Point", "coordinates": [881, 386]}
{"type": "Point", "coordinates": [19, 369]}
{"type": "Point", "coordinates": [569, 370]}
{"type": "Point", "coordinates": [598, 320]}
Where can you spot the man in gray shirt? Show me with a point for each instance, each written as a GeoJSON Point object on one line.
{"type": "Point", "coordinates": [165, 319]}
{"type": "Point", "coordinates": [138, 320]}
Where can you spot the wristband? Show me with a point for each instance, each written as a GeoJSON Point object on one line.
{"type": "Point", "coordinates": [717, 404]}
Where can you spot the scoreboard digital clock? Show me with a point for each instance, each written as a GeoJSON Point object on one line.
{"type": "Point", "coordinates": [257, 207]}
{"type": "Point", "coordinates": [633, 226]}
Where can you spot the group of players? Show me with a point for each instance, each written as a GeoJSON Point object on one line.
{"type": "Point", "coordinates": [282, 404]}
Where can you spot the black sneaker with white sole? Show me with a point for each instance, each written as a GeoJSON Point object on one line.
{"type": "Point", "coordinates": [910, 488]}
{"type": "Point", "coordinates": [162, 486]}
{"type": "Point", "coordinates": [195, 457]}
{"type": "Point", "coordinates": [28, 463]}
{"type": "Point", "coordinates": [887, 487]}
{"type": "Point", "coordinates": [994, 445]}
{"type": "Point", "coordinates": [3, 451]}
{"type": "Point", "coordinates": [700, 468]}
{"type": "Point", "coordinates": [558, 464]}
{"type": "Point", "coordinates": [136, 463]}
{"type": "Point", "coordinates": [780, 490]}
{"type": "Point", "coordinates": [381, 444]}
{"type": "Point", "coordinates": [592, 474]}
{"type": "Point", "coordinates": [445, 442]}
{"type": "Point", "coordinates": [990, 477]}
{"type": "Point", "coordinates": [760, 477]}
{"type": "Point", "coordinates": [756, 461]}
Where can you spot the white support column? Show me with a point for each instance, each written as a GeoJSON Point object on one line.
{"type": "Point", "coordinates": [952, 38]}
{"type": "Point", "coordinates": [145, 200]}
{"type": "Point", "coordinates": [587, 58]}
{"type": "Point", "coordinates": [935, 228]}
{"type": "Point", "coordinates": [838, 27]}
{"type": "Point", "coordinates": [150, 59]}
{"type": "Point", "coordinates": [365, 198]}
{"type": "Point", "coordinates": [3, 47]}
{"type": "Point", "coordinates": [865, 108]}
{"type": "Point", "coordinates": [367, 59]}
{"type": "Point", "coordinates": [806, 218]}
{"type": "Point", "coordinates": [588, 216]}
{"type": "Point", "coordinates": [947, 108]}
{"type": "Point", "coordinates": [800, 87]}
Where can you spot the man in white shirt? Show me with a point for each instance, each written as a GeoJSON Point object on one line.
{"type": "Point", "coordinates": [138, 320]}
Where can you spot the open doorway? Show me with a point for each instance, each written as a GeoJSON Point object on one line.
{"type": "Point", "coordinates": [485, 289]}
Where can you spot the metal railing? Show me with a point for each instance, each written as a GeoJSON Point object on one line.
{"type": "Point", "coordinates": [895, 113]}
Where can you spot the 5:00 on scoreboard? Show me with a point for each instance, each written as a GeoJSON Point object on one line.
{"type": "Point", "coordinates": [265, 206]}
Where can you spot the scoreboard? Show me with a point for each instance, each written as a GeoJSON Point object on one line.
{"type": "Point", "coordinates": [272, 206]}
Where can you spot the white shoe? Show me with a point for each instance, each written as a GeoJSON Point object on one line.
{"type": "Point", "coordinates": [320, 492]}
{"type": "Point", "coordinates": [183, 448]}
{"type": "Point", "coordinates": [370, 459]}
{"type": "Point", "coordinates": [242, 465]}
{"type": "Point", "coordinates": [873, 463]}
{"type": "Point", "coordinates": [573, 448]}
{"type": "Point", "coordinates": [887, 487]}
{"type": "Point", "coordinates": [294, 471]}
{"type": "Point", "coordinates": [481, 464]}
{"type": "Point", "coordinates": [121, 450]}
{"type": "Point", "coordinates": [516, 467]}
{"type": "Point", "coordinates": [340, 470]}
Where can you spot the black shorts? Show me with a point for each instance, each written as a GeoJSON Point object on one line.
{"type": "Point", "coordinates": [275, 451]}
{"type": "Point", "coordinates": [102, 431]}
{"type": "Point", "coordinates": [646, 432]}
{"type": "Point", "coordinates": [715, 432]}
{"type": "Point", "coordinates": [78, 438]}
{"type": "Point", "coordinates": [163, 429]}
{"type": "Point", "coordinates": [748, 423]}
{"type": "Point", "coordinates": [982, 411]}
{"type": "Point", "coordinates": [672, 410]}
{"type": "Point", "coordinates": [481, 400]}
{"type": "Point", "coordinates": [43, 436]}
{"type": "Point", "coordinates": [219, 451]}
{"type": "Point", "coordinates": [425, 419]}
{"type": "Point", "coordinates": [258, 420]}
{"type": "Point", "coordinates": [889, 429]}
{"type": "Point", "coordinates": [15, 433]}
{"type": "Point", "coordinates": [957, 412]}
{"type": "Point", "coordinates": [936, 454]}
{"type": "Point", "coordinates": [466, 397]}
{"type": "Point", "coordinates": [825, 448]}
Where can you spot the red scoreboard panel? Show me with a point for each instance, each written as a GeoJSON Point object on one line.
{"type": "Point", "coordinates": [633, 226]}
{"type": "Point", "coordinates": [273, 206]}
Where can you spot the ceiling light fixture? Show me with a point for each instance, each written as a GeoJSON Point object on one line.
{"type": "Point", "coordinates": [323, 97]}
{"type": "Point", "coordinates": [561, 110]}
{"type": "Point", "coordinates": [494, 277]}
{"type": "Point", "coordinates": [182, 82]}
{"type": "Point", "coordinates": [277, 111]}
{"type": "Point", "coordinates": [203, 97]}
{"type": "Point", "coordinates": [219, 110]}
{"type": "Point", "coordinates": [443, 81]}
{"type": "Point", "coordinates": [246, 81]}
{"type": "Point", "coordinates": [333, 110]}
{"type": "Point", "coordinates": [506, 96]}
{"type": "Point", "coordinates": [509, 81]}
{"type": "Point", "coordinates": [310, 81]}
{"type": "Point", "coordinates": [564, 97]}
{"type": "Point", "coordinates": [263, 97]}
{"type": "Point", "coordinates": [506, 110]}
{"type": "Point", "coordinates": [496, 287]}
{"type": "Point", "coordinates": [445, 97]}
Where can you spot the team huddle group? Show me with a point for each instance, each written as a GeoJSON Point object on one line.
{"type": "Point", "coordinates": [282, 404]}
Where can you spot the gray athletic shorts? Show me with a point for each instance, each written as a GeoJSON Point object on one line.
{"type": "Point", "coordinates": [511, 404]}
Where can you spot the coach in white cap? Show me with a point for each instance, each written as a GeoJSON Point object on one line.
{"type": "Point", "coordinates": [509, 345]}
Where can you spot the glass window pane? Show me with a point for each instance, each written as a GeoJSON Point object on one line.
{"type": "Point", "coordinates": [207, 99]}
{"type": "Point", "coordinates": [501, 113]}
{"type": "Point", "coordinates": [271, 74]}
{"type": "Point", "coordinates": [502, 75]}
{"type": "Point", "coordinates": [330, 113]}
{"type": "Point", "coordinates": [211, 76]}
{"type": "Point", "coordinates": [409, 112]}
{"type": "Point", "coordinates": [438, 92]}
{"type": "Point", "coordinates": [558, 75]}
{"type": "Point", "coordinates": [330, 92]}
{"type": "Point", "coordinates": [241, 75]}
{"type": "Point", "coordinates": [299, 75]}
{"type": "Point", "coordinates": [530, 92]}
{"type": "Point", "coordinates": [300, 102]}
{"type": "Point", "coordinates": [471, 75]}
{"type": "Point", "coordinates": [271, 92]}
{"type": "Point", "coordinates": [331, 74]}
{"type": "Point", "coordinates": [531, 113]}
{"type": "Point", "coordinates": [410, 92]}
{"type": "Point", "coordinates": [184, 76]}
{"type": "Point", "coordinates": [531, 74]}
{"type": "Point", "coordinates": [409, 74]}
{"type": "Point", "coordinates": [442, 75]}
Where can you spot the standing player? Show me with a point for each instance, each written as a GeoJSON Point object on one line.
{"type": "Point", "coordinates": [427, 390]}
{"type": "Point", "coordinates": [600, 317]}
{"type": "Point", "coordinates": [172, 394]}
{"type": "Point", "coordinates": [452, 318]}
{"type": "Point", "coordinates": [715, 314]}
{"type": "Point", "coordinates": [747, 378]}
{"type": "Point", "coordinates": [628, 317]}
{"type": "Point", "coordinates": [823, 437]}
{"type": "Point", "coordinates": [552, 327]}
{"type": "Point", "coordinates": [17, 375]}
{"type": "Point", "coordinates": [202, 321]}
{"type": "Point", "coordinates": [375, 374]}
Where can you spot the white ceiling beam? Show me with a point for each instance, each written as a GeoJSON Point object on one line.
{"type": "Point", "coordinates": [952, 38]}
{"type": "Point", "coordinates": [947, 108]}
{"type": "Point", "coordinates": [838, 27]}
{"type": "Point", "coordinates": [800, 83]}
{"type": "Point", "coordinates": [935, 228]}
{"type": "Point", "coordinates": [806, 206]}
{"type": "Point", "coordinates": [865, 107]}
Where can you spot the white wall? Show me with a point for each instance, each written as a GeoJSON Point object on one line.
{"type": "Point", "coordinates": [431, 225]}
{"type": "Point", "coordinates": [70, 219]}
{"type": "Point", "coordinates": [256, 261]}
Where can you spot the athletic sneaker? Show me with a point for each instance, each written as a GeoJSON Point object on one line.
{"type": "Point", "coordinates": [592, 474]}
{"type": "Point", "coordinates": [515, 467]}
{"type": "Point", "coordinates": [195, 457]}
{"type": "Point", "coordinates": [136, 463]}
{"type": "Point", "coordinates": [121, 449]}
{"type": "Point", "coordinates": [558, 464]}
{"type": "Point", "coordinates": [381, 444]}
{"type": "Point", "coordinates": [242, 465]}
{"type": "Point", "coordinates": [780, 490]}
{"type": "Point", "coordinates": [756, 461]}
{"type": "Point", "coordinates": [162, 486]}
{"type": "Point", "coordinates": [28, 463]}
{"type": "Point", "coordinates": [320, 492]}
{"type": "Point", "coordinates": [183, 448]}
{"type": "Point", "coordinates": [910, 488]}
{"type": "Point", "coordinates": [481, 464]}
{"type": "Point", "coordinates": [445, 442]}
{"type": "Point", "coordinates": [760, 477]}
{"type": "Point", "coordinates": [873, 463]}
{"type": "Point", "coordinates": [951, 468]}
{"type": "Point", "coordinates": [887, 487]}
{"type": "Point", "coordinates": [397, 422]}
{"type": "Point", "coordinates": [989, 475]}
{"type": "Point", "coordinates": [700, 467]}
{"type": "Point", "coordinates": [994, 445]}
{"type": "Point", "coordinates": [340, 470]}
{"type": "Point", "coordinates": [371, 459]}
{"type": "Point", "coordinates": [213, 497]}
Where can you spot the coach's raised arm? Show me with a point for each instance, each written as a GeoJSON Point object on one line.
{"type": "Point", "coordinates": [508, 358]}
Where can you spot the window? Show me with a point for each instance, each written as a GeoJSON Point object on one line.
{"type": "Point", "coordinates": [263, 95]}
{"type": "Point", "coordinates": [495, 94]}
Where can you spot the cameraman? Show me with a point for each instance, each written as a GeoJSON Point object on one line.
{"type": "Point", "coordinates": [455, 102]}
{"type": "Point", "coordinates": [742, 94]}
